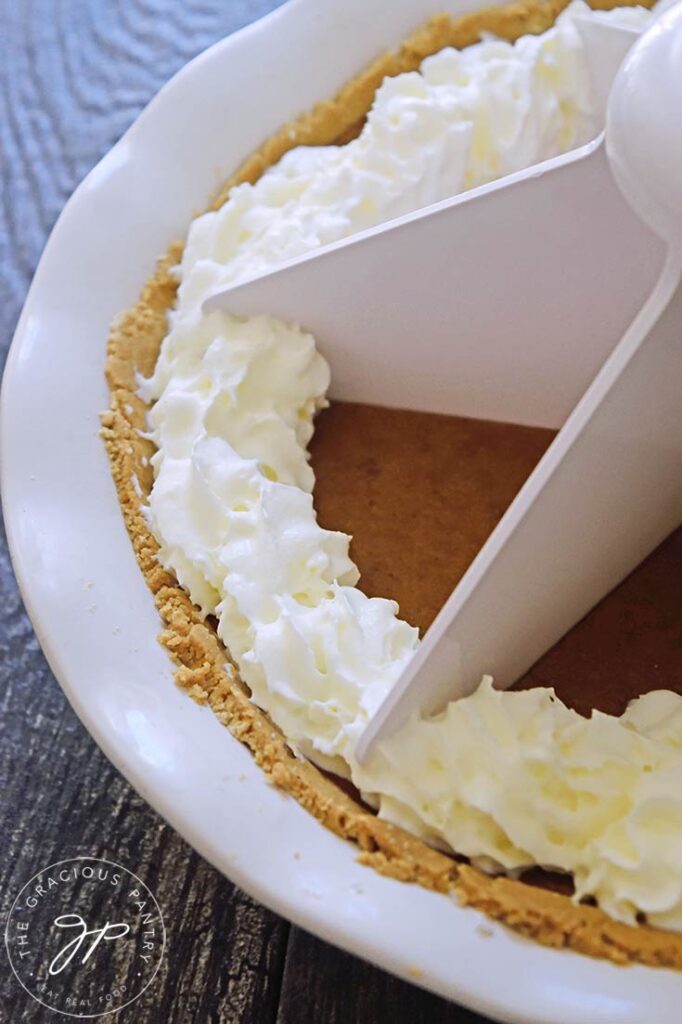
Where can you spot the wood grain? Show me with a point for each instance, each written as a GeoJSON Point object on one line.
{"type": "Point", "coordinates": [321, 989]}
{"type": "Point", "coordinates": [73, 75]}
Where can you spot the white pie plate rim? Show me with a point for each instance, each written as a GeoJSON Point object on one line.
{"type": "Point", "coordinates": [87, 599]}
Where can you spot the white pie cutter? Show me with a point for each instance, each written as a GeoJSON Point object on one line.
{"type": "Point", "coordinates": [507, 303]}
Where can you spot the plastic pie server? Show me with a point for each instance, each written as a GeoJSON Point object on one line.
{"type": "Point", "coordinates": [408, 319]}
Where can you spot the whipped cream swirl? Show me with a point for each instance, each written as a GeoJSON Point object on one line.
{"type": "Point", "coordinates": [509, 779]}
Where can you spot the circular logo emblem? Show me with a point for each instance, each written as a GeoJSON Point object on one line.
{"type": "Point", "coordinates": [85, 937]}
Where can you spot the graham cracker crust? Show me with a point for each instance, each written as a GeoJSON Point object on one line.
{"type": "Point", "coordinates": [203, 666]}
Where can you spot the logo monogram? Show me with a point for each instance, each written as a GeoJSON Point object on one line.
{"type": "Point", "coordinates": [107, 933]}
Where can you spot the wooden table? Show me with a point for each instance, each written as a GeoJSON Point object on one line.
{"type": "Point", "coordinates": [73, 75]}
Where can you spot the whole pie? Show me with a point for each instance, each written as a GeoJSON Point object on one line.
{"type": "Point", "coordinates": [556, 811]}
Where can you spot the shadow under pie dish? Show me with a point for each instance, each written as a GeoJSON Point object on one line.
{"type": "Point", "coordinates": [411, 543]}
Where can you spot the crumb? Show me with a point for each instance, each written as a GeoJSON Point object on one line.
{"type": "Point", "coordinates": [415, 971]}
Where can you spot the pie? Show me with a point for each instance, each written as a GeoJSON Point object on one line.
{"type": "Point", "coordinates": [412, 542]}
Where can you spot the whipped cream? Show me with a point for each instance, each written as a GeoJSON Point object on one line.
{"type": "Point", "coordinates": [466, 118]}
{"type": "Point", "coordinates": [241, 535]}
{"type": "Point", "coordinates": [509, 779]}
{"type": "Point", "coordinates": [512, 779]}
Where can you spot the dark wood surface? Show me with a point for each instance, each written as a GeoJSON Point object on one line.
{"type": "Point", "coordinates": [73, 75]}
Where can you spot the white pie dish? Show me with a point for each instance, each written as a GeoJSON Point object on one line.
{"type": "Point", "coordinates": [88, 600]}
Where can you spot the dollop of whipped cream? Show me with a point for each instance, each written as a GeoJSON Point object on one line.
{"type": "Point", "coordinates": [509, 779]}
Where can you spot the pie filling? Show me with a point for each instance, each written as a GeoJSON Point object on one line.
{"type": "Point", "coordinates": [511, 780]}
